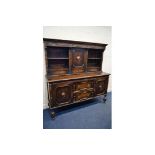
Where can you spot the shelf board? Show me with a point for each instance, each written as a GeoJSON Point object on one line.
{"type": "Point", "coordinates": [94, 58]}
{"type": "Point", "coordinates": [62, 68]}
{"type": "Point", "coordinates": [57, 58]}
{"type": "Point", "coordinates": [93, 67]}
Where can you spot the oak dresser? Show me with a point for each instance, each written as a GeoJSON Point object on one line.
{"type": "Point", "coordinates": [74, 72]}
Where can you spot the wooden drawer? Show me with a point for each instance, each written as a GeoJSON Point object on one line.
{"type": "Point", "coordinates": [86, 84]}
{"type": "Point", "coordinates": [83, 95]}
{"type": "Point", "coordinates": [102, 78]}
{"type": "Point", "coordinates": [93, 69]}
{"type": "Point", "coordinates": [78, 70]}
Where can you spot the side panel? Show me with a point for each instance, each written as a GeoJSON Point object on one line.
{"type": "Point", "coordinates": [101, 85]}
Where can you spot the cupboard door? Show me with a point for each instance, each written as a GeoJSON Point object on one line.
{"type": "Point", "coordinates": [78, 60]}
{"type": "Point", "coordinates": [62, 93]}
{"type": "Point", "coordinates": [101, 85]}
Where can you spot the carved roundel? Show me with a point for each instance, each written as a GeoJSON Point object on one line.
{"type": "Point", "coordinates": [63, 94]}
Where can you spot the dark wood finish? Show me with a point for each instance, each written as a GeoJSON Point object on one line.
{"type": "Point", "coordinates": [78, 60]}
{"type": "Point", "coordinates": [74, 71]}
{"type": "Point", "coordinates": [46, 60]}
{"type": "Point", "coordinates": [62, 93]}
{"type": "Point", "coordinates": [101, 85]}
{"type": "Point", "coordinates": [93, 69]}
{"type": "Point", "coordinates": [76, 44]}
{"type": "Point", "coordinates": [83, 95]}
{"type": "Point", "coordinates": [67, 77]}
{"type": "Point", "coordinates": [84, 84]}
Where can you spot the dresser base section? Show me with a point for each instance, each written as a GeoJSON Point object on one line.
{"type": "Point", "coordinates": [65, 93]}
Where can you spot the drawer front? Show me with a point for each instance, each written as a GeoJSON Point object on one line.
{"type": "Point", "coordinates": [93, 69]}
{"type": "Point", "coordinates": [102, 78]}
{"type": "Point", "coordinates": [78, 70]}
{"type": "Point", "coordinates": [62, 93]}
{"type": "Point", "coordinates": [101, 85]}
{"type": "Point", "coordinates": [83, 95]}
{"type": "Point", "coordinates": [84, 84]}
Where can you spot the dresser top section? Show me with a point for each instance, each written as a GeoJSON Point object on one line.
{"type": "Point", "coordinates": [74, 76]}
{"type": "Point", "coordinates": [76, 44]}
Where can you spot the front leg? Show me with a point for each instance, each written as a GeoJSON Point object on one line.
{"type": "Point", "coordinates": [53, 114]}
{"type": "Point", "coordinates": [105, 98]}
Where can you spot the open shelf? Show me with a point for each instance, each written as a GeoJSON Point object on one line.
{"type": "Point", "coordinates": [57, 58]}
{"type": "Point", "coordinates": [94, 62]}
{"type": "Point", "coordinates": [94, 58]}
{"type": "Point", "coordinates": [94, 54]}
{"type": "Point", "coordinates": [57, 53]}
{"type": "Point", "coordinates": [58, 66]}
{"type": "Point", "coordinates": [94, 65]}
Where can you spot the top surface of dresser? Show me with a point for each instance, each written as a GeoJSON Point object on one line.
{"type": "Point", "coordinates": [75, 76]}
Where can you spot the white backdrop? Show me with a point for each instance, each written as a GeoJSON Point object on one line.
{"type": "Point", "coordinates": [98, 34]}
{"type": "Point", "coordinates": [21, 83]}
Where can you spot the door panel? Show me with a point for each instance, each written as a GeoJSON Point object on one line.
{"type": "Point", "coordinates": [78, 60]}
{"type": "Point", "coordinates": [101, 85]}
{"type": "Point", "coordinates": [62, 93]}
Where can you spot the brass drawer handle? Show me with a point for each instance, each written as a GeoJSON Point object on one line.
{"type": "Point", "coordinates": [85, 91]}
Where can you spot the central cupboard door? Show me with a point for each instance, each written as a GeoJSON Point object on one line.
{"type": "Point", "coordinates": [79, 60]}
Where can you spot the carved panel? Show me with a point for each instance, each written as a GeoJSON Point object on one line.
{"type": "Point", "coordinates": [62, 93]}
{"type": "Point", "coordinates": [101, 86]}
{"type": "Point", "coordinates": [78, 58]}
